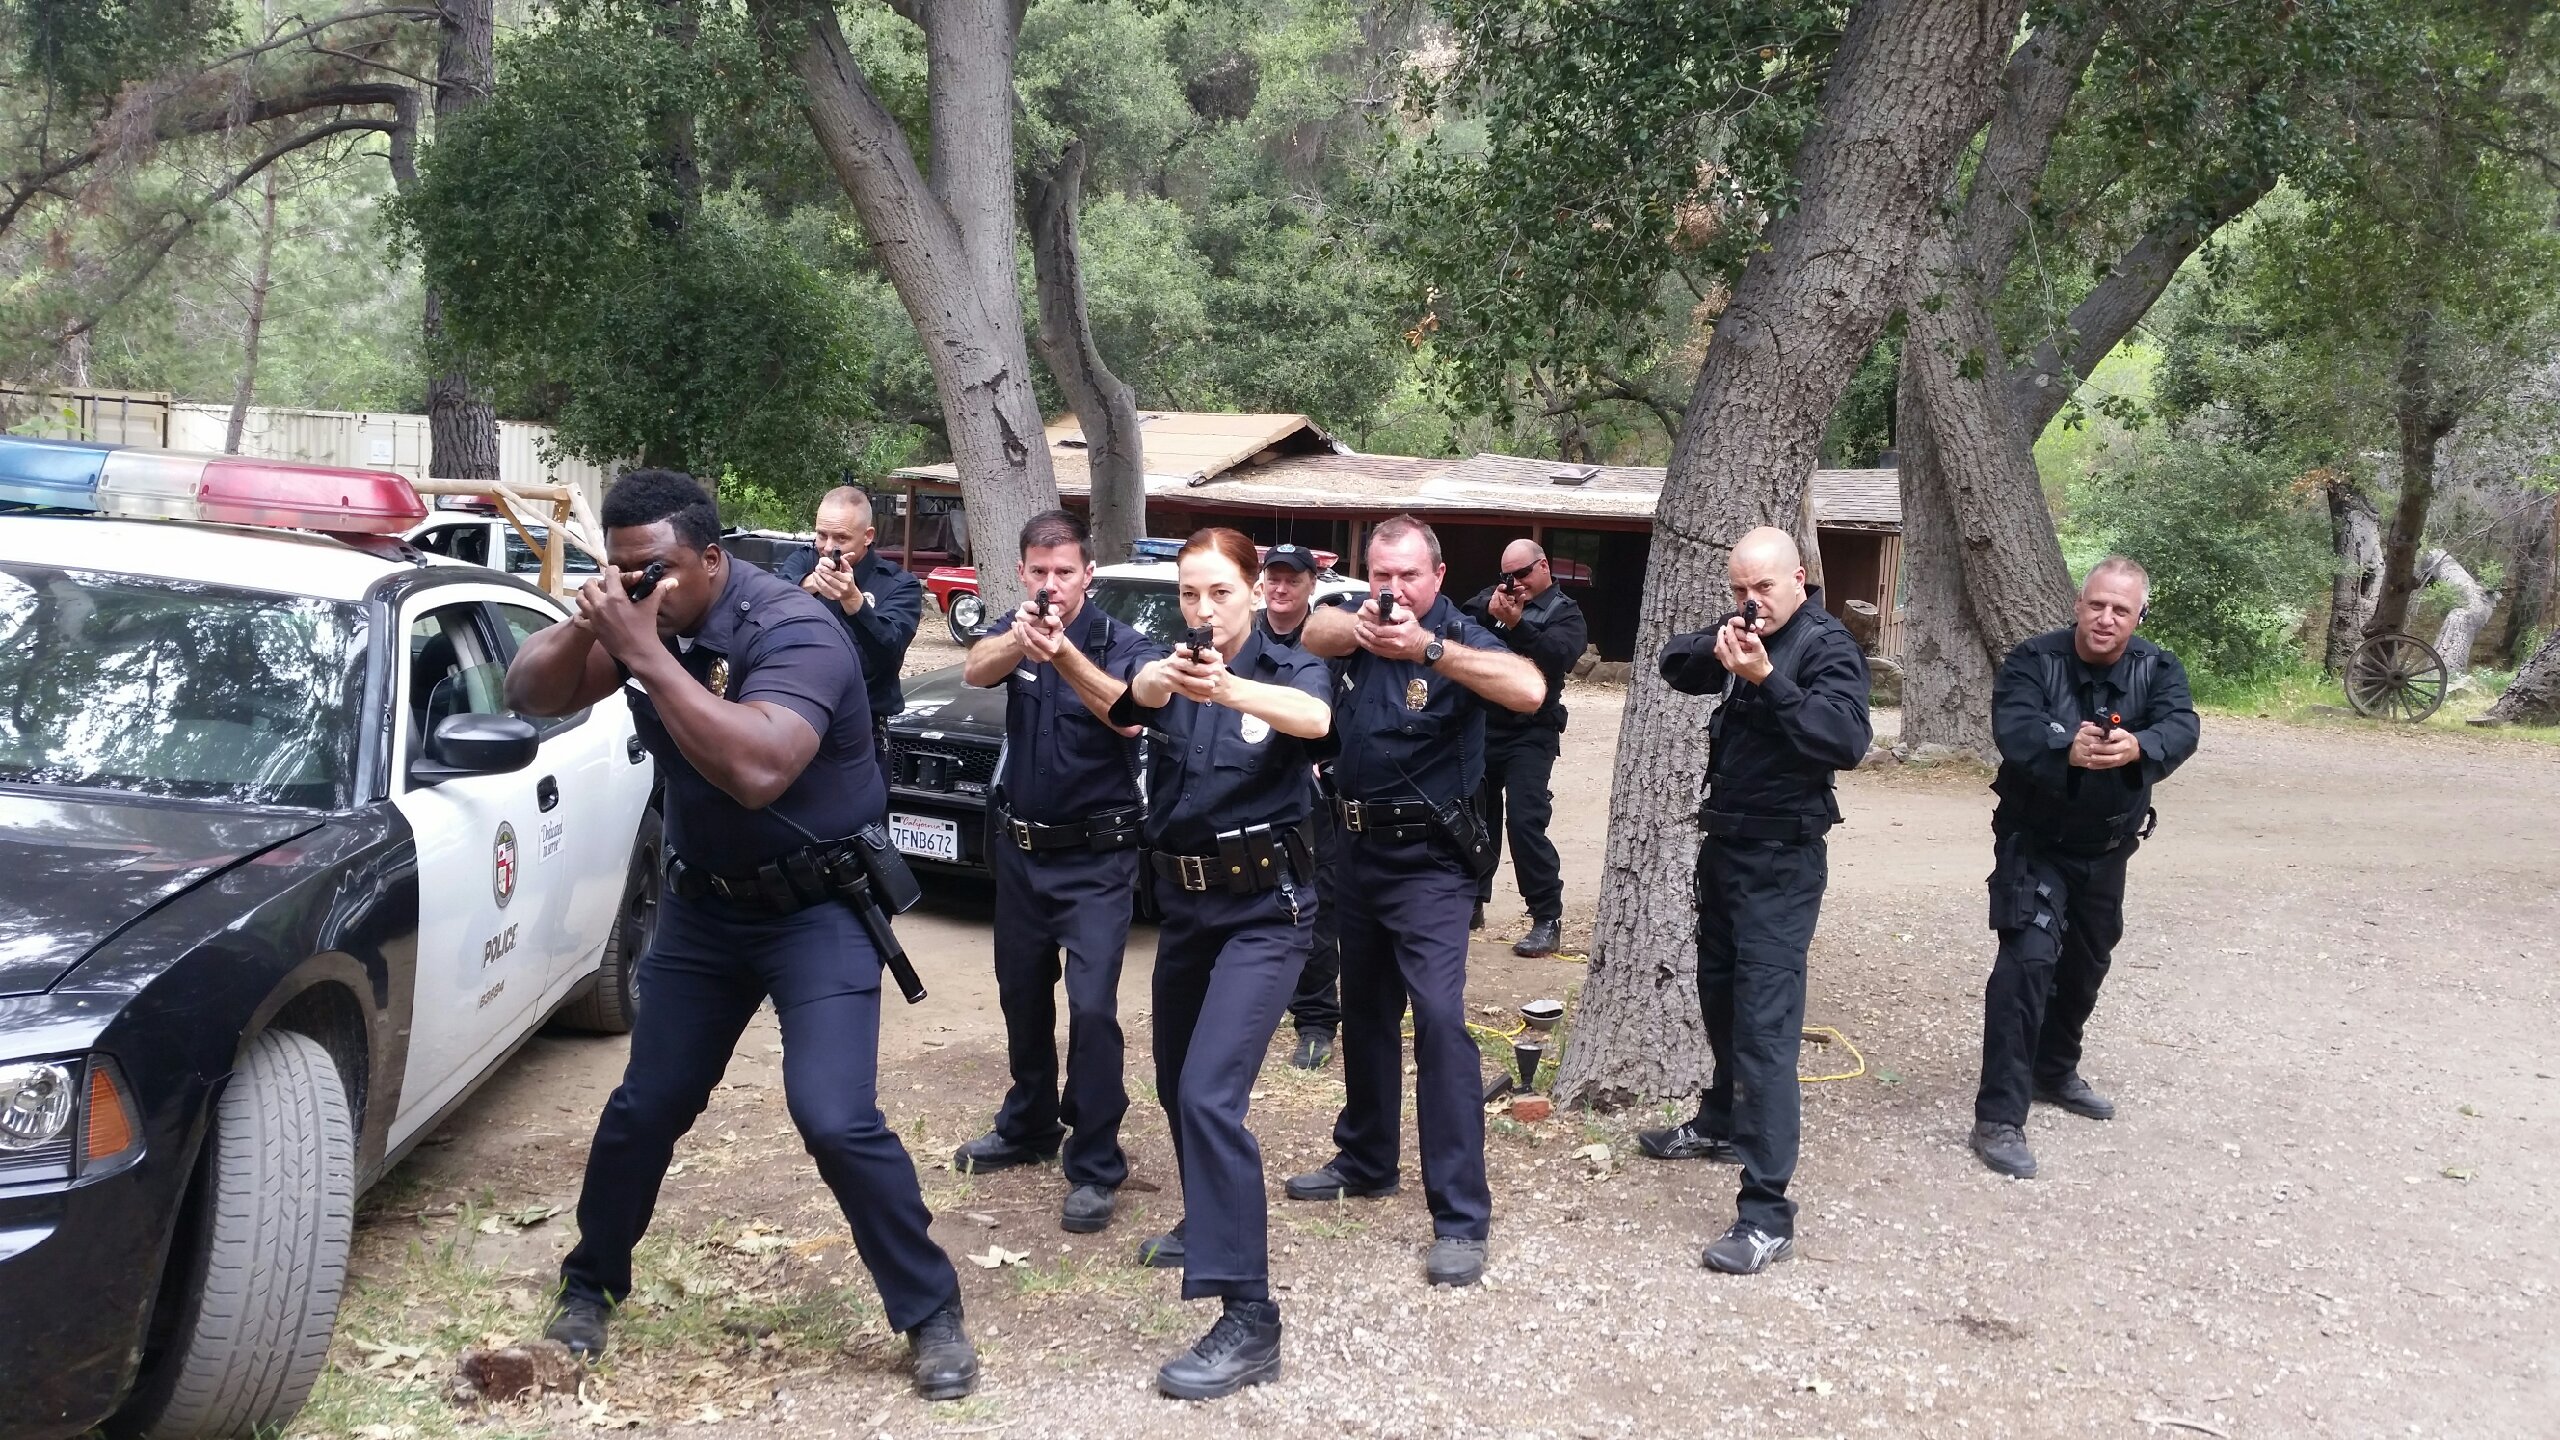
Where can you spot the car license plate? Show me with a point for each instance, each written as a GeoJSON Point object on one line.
{"type": "Point", "coordinates": [925, 837]}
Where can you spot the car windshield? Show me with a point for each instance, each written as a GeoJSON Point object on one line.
{"type": "Point", "coordinates": [170, 688]}
{"type": "Point", "coordinates": [1149, 607]}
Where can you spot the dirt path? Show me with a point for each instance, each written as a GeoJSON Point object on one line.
{"type": "Point", "coordinates": [2326, 1209]}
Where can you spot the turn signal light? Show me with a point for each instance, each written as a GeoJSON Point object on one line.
{"type": "Point", "coordinates": [111, 1138]}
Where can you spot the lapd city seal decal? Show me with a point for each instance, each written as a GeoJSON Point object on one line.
{"type": "Point", "coordinates": [1417, 693]}
{"type": "Point", "coordinates": [1253, 728]}
{"type": "Point", "coordinates": [502, 877]}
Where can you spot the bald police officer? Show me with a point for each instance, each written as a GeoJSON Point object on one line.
{"type": "Point", "coordinates": [1528, 611]}
{"type": "Point", "coordinates": [1794, 710]}
{"type": "Point", "coordinates": [2088, 719]}
{"type": "Point", "coordinates": [1408, 709]}
{"type": "Point", "coordinates": [754, 708]}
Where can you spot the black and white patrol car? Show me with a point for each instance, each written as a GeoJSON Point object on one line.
{"type": "Point", "coordinates": [945, 748]}
{"type": "Point", "coordinates": [281, 881]}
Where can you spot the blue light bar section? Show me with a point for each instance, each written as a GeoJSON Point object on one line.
{"type": "Point", "coordinates": [61, 473]}
{"type": "Point", "coordinates": [1155, 548]}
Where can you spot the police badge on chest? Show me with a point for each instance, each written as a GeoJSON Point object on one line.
{"type": "Point", "coordinates": [1417, 693]}
{"type": "Point", "coordinates": [716, 680]}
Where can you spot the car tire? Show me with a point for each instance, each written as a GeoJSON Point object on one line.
{"type": "Point", "coordinates": [274, 1204]}
{"type": "Point", "coordinates": [606, 1006]}
{"type": "Point", "coordinates": [964, 613]}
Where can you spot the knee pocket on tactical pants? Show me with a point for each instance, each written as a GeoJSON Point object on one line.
{"type": "Point", "coordinates": [2021, 901]}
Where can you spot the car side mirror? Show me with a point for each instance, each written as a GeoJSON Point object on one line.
{"type": "Point", "coordinates": [474, 744]}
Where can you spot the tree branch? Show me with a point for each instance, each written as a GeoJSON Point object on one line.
{"type": "Point", "coordinates": [2035, 98]}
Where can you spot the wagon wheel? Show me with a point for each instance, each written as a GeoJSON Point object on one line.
{"type": "Point", "coordinates": [2396, 677]}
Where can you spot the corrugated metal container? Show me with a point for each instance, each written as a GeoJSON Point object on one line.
{"type": "Point", "coordinates": [520, 460]}
{"type": "Point", "coordinates": [372, 440]}
{"type": "Point", "coordinates": [112, 417]}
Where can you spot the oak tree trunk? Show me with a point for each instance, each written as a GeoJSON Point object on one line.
{"type": "Point", "coordinates": [462, 428]}
{"type": "Point", "coordinates": [254, 324]}
{"type": "Point", "coordinates": [2423, 421]}
{"type": "Point", "coordinates": [2355, 529]}
{"type": "Point", "coordinates": [1114, 451]}
{"type": "Point", "coordinates": [2529, 568]}
{"type": "Point", "coordinates": [1911, 83]}
{"type": "Point", "coordinates": [946, 245]}
{"type": "Point", "coordinates": [2461, 629]}
{"type": "Point", "coordinates": [2534, 698]}
{"type": "Point", "coordinates": [1947, 666]}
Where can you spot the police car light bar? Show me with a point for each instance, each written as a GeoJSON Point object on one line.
{"type": "Point", "coordinates": [224, 489]}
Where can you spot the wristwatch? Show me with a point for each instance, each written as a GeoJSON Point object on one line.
{"type": "Point", "coordinates": [1432, 652]}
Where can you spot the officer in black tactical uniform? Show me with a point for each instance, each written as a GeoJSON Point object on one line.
{"type": "Point", "coordinates": [2088, 719]}
{"type": "Point", "coordinates": [1408, 713]}
{"type": "Point", "coordinates": [1288, 596]}
{"type": "Point", "coordinates": [1062, 840]}
{"type": "Point", "coordinates": [879, 602]}
{"type": "Point", "coordinates": [1529, 612]}
{"type": "Point", "coordinates": [755, 712]}
{"type": "Point", "coordinates": [1794, 710]}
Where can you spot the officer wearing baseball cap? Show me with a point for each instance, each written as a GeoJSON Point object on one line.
{"type": "Point", "coordinates": [1288, 596]}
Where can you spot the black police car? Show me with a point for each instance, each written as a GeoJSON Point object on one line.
{"type": "Point", "coordinates": [281, 881]}
{"type": "Point", "coordinates": [945, 746]}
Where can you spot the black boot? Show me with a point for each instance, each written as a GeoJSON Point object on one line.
{"type": "Point", "coordinates": [2004, 1148]}
{"type": "Point", "coordinates": [1088, 1209]}
{"type": "Point", "coordinates": [2077, 1096]}
{"type": "Point", "coordinates": [1315, 1043]}
{"type": "Point", "coordinates": [1242, 1349]}
{"type": "Point", "coordinates": [946, 1364]}
{"type": "Point", "coordinates": [1543, 938]}
{"type": "Point", "coordinates": [1162, 1252]}
{"type": "Point", "coordinates": [579, 1323]}
{"type": "Point", "coordinates": [994, 1152]}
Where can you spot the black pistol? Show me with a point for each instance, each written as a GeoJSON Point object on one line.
{"type": "Point", "coordinates": [640, 587]}
{"type": "Point", "coordinates": [1386, 607]}
{"type": "Point", "coordinates": [1201, 641]}
{"type": "Point", "coordinates": [1040, 605]}
{"type": "Point", "coordinates": [1749, 615]}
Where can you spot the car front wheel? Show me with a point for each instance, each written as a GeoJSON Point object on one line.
{"type": "Point", "coordinates": [964, 614]}
{"type": "Point", "coordinates": [257, 1284]}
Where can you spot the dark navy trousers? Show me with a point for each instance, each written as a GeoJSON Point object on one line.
{"type": "Point", "coordinates": [1405, 908]}
{"type": "Point", "coordinates": [1757, 903]}
{"type": "Point", "coordinates": [706, 970]}
{"type": "Point", "coordinates": [1317, 1005]}
{"type": "Point", "coordinates": [1064, 912]}
{"type": "Point", "coordinates": [1225, 965]}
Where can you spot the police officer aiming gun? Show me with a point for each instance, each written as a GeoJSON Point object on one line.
{"type": "Point", "coordinates": [1411, 729]}
{"type": "Point", "coordinates": [2088, 719]}
{"type": "Point", "coordinates": [1236, 727]}
{"type": "Point", "coordinates": [878, 602]}
{"type": "Point", "coordinates": [1794, 687]}
{"type": "Point", "coordinates": [751, 698]}
{"type": "Point", "coordinates": [1288, 594]}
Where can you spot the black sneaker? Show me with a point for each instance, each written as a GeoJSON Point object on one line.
{"type": "Point", "coordinates": [1685, 1141]}
{"type": "Point", "coordinates": [1746, 1249]}
{"type": "Point", "coordinates": [2004, 1148]}
{"type": "Point", "coordinates": [946, 1364]}
{"type": "Point", "coordinates": [1087, 1210]}
{"type": "Point", "coordinates": [990, 1152]}
{"type": "Point", "coordinates": [1454, 1261]}
{"type": "Point", "coordinates": [1542, 939]}
{"type": "Point", "coordinates": [1328, 1184]}
{"type": "Point", "coordinates": [579, 1323]}
{"type": "Point", "coordinates": [1315, 1046]}
{"type": "Point", "coordinates": [1162, 1252]}
{"type": "Point", "coordinates": [2073, 1094]}
{"type": "Point", "coordinates": [1242, 1349]}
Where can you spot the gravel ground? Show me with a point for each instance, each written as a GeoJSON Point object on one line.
{"type": "Point", "coordinates": [2324, 1211]}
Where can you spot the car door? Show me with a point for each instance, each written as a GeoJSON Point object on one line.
{"type": "Point", "coordinates": [477, 980]}
{"type": "Point", "coordinates": [584, 843]}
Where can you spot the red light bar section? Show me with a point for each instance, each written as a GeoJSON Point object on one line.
{"type": "Point", "coordinates": [309, 497]}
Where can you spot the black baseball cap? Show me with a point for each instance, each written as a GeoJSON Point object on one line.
{"type": "Point", "coordinates": [1290, 557]}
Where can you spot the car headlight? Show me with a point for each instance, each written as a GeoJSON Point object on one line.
{"type": "Point", "coordinates": [36, 1101]}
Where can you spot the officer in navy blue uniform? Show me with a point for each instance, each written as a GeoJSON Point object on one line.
{"type": "Point", "coordinates": [881, 603]}
{"type": "Point", "coordinates": [1794, 711]}
{"type": "Point", "coordinates": [1288, 595]}
{"type": "Point", "coordinates": [1062, 839]}
{"type": "Point", "coordinates": [2088, 719]}
{"type": "Point", "coordinates": [753, 706]}
{"type": "Point", "coordinates": [1409, 721]}
{"type": "Point", "coordinates": [1236, 730]}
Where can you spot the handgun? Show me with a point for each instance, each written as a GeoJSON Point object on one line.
{"type": "Point", "coordinates": [1040, 603]}
{"type": "Point", "coordinates": [1749, 615]}
{"type": "Point", "coordinates": [2108, 723]}
{"type": "Point", "coordinates": [640, 586]}
{"type": "Point", "coordinates": [1386, 607]}
{"type": "Point", "coordinates": [832, 559]}
{"type": "Point", "coordinates": [1515, 581]}
{"type": "Point", "coordinates": [1201, 641]}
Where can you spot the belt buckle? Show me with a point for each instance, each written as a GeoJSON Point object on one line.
{"type": "Point", "coordinates": [1193, 872]}
{"type": "Point", "coordinates": [1021, 831]}
{"type": "Point", "coordinates": [1352, 813]}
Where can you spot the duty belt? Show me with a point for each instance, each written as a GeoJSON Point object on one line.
{"type": "Point", "coordinates": [1250, 860]}
{"type": "Point", "coordinates": [784, 885]}
{"type": "Point", "coordinates": [1389, 820]}
{"type": "Point", "coordinates": [1726, 825]}
{"type": "Point", "coordinates": [1111, 830]}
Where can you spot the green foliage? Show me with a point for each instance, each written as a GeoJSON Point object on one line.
{"type": "Point", "coordinates": [1862, 428]}
{"type": "Point", "coordinates": [2233, 549]}
{"type": "Point", "coordinates": [576, 267]}
{"type": "Point", "coordinates": [85, 51]}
